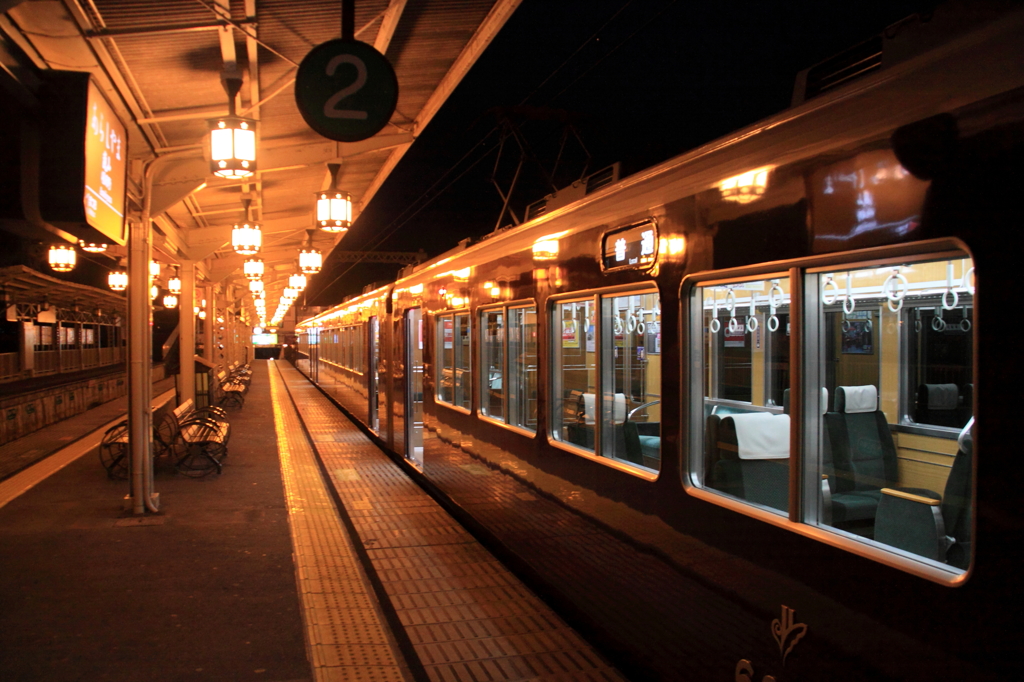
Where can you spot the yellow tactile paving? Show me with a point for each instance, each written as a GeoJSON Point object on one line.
{"type": "Point", "coordinates": [467, 617]}
{"type": "Point", "coordinates": [345, 631]}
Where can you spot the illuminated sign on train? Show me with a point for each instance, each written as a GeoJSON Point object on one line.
{"type": "Point", "coordinates": [634, 247]}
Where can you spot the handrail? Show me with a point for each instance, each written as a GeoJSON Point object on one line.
{"type": "Point", "coordinates": [637, 409]}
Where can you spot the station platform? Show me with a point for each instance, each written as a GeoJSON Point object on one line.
{"type": "Point", "coordinates": [313, 556]}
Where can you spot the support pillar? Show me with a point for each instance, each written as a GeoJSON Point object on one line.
{"type": "Point", "coordinates": [187, 332]}
{"type": "Point", "coordinates": [140, 363]}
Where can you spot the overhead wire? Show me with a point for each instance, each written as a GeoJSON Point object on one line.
{"type": "Point", "coordinates": [427, 198]}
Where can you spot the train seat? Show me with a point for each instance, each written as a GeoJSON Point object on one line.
{"type": "Point", "coordinates": [753, 458]}
{"type": "Point", "coordinates": [938, 404]}
{"type": "Point", "coordinates": [917, 521]}
{"type": "Point", "coordinates": [863, 454]}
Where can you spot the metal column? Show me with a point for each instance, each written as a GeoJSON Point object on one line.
{"type": "Point", "coordinates": [187, 332]}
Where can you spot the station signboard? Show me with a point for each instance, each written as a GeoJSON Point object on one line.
{"type": "Point", "coordinates": [83, 160]}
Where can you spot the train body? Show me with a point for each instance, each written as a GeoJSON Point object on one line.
{"type": "Point", "coordinates": [778, 361]}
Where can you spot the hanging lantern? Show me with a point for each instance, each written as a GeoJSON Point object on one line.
{"type": "Point", "coordinates": [290, 294]}
{"type": "Point", "coordinates": [297, 281]}
{"type": "Point", "coordinates": [63, 257]}
{"type": "Point", "coordinates": [246, 239]}
{"type": "Point", "coordinates": [154, 291]}
{"type": "Point", "coordinates": [232, 147]}
{"type": "Point", "coordinates": [154, 269]}
{"type": "Point", "coordinates": [117, 280]}
{"type": "Point", "coordinates": [256, 286]}
{"type": "Point", "coordinates": [170, 301]}
{"type": "Point", "coordinates": [174, 285]}
{"type": "Point", "coordinates": [333, 211]}
{"type": "Point", "coordinates": [311, 260]}
{"type": "Point", "coordinates": [92, 248]}
{"type": "Point", "coordinates": [253, 268]}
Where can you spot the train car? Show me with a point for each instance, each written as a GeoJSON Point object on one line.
{"type": "Point", "coordinates": [775, 360]}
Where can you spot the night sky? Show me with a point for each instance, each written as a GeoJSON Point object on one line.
{"type": "Point", "coordinates": [640, 81]}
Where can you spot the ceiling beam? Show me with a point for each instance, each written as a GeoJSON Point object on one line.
{"type": "Point", "coordinates": [388, 25]}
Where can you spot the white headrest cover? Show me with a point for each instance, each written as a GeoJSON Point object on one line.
{"type": "Point", "coordinates": [762, 435]}
{"type": "Point", "coordinates": [824, 400]}
{"type": "Point", "coordinates": [618, 407]}
{"type": "Point", "coordinates": [588, 408]}
{"type": "Point", "coordinates": [860, 399]}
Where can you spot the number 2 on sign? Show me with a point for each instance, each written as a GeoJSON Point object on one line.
{"type": "Point", "coordinates": [331, 109]}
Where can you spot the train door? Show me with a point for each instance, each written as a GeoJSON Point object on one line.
{"type": "Point", "coordinates": [414, 386]}
{"type": "Point", "coordinates": [374, 375]}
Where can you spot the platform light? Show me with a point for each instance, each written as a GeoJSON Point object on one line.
{"type": "Point", "coordinates": [174, 285]}
{"type": "Point", "coordinates": [232, 138]}
{"type": "Point", "coordinates": [91, 247]}
{"type": "Point", "coordinates": [62, 257]}
{"type": "Point", "coordinates": [170, 301]}
{"type": "Point", "coordinates": [246, 238]}
{"type": "Point", "coordinates": [154, 291]}
{"type": "Point", "coordinates": [290, 294]}
{"type": "Point", "coordinates": [253, 268]}
{"type": "Point", "coordinates": [745, 187]}
{"type": "Point", "coordinates": [311, 261]}
{"type": "Point", "coordinates": [297, 281]}
{"type": "Point", "coordinates": [117, 280]}
{"type": "Point", "coordinates": [154, 269]}
{"type": "Point", "coordinates": [333, 211]}
{"type": "Point", "coordinates": [256, 286]}
{"type": "Point", "coordinates": [545, 248]}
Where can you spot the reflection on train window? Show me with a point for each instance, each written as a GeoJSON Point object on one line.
{"type": "Point", "coordinates": [744, 361]}
{"type": "Point", "coordinates": [509, 365]}
{"type": "Point", "coordinates": [893, 346]}
{"type": "Point", "coordinates": [454, 384]}
{"type": "Point", "coordinates": [620, 381]}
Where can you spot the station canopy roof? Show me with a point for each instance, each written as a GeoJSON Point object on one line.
{"type": "Point", "coordinates": [160, 63]}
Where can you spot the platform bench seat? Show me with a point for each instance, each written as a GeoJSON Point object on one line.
{"type": "Point", "coordinates": [204, 434]}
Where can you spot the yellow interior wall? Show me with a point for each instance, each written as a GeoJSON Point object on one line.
{"type": "Point", "coordinates": [924, 461]}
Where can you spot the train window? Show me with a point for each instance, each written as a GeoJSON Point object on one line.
{"type": "Point", "coordinates": [522, 367]}
{"type": "Point", "coordinates": [454, 385]}
{"type": "Point", "coordinates": [607, 380]}
{"type": "Point", "coordinates": [492, 363]}
{"type": "Point", "coordinates": [742, 445]}
{"type": "Point", "coordinates": [893, 346]}
{"type": "Point", "coordinates": [508, 365]}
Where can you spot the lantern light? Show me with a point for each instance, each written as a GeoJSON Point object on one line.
{"type": "Point", "coordinates": [91, 247]}
{"type": "Point", "coordinates": [246, 239]}
{"type": "Point", "coordinates": [174, 285]}
{"type": "Point", "coordinates": [154, 291]}
{"type": "Point", "coordinates": [170, 301]}
{"type": "Point", "coordinates": [311, 260]}
{"type": "Point", "coordinates": [297, 281]}
{"type": "Point", "coordinates": [232, 138]}
{"type": "Point", "coordinates": [290, 294]}
{"type": "Point", "coordinates": [253, 268]}
{"type": "Point", "coordinates": [117, 280]}
{"type": "Point", "coordinates": [63, 257]}
{"type": "Point", "coordinates": [154, 268]}
{"type": "Point", "coordinates": [256, 286]}
{"type": "Point", "coordinates": [334, 211]}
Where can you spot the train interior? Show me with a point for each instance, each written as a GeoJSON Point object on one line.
{"type": "Point", "coordinates": [888, 385]}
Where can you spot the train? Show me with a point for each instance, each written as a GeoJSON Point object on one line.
{"type": "Point", "coordinates": [776, 360]}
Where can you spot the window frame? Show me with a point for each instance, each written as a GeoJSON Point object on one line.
{"type": "Point", "coordinates": [595, 297]}
{"type": "Point", "coordinates": [439, 318]}
{"type": "Point", "coordinates": [803, 489]}
{"type": "Point", "coordinates": [481, 311]}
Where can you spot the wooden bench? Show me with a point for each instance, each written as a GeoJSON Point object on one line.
{"type": "Point", "coordinates": [202, 436]}
{"type": "Point", "coordinates": [230, 392]}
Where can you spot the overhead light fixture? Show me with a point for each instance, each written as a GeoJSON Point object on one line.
{"type": "Point", "coordinates": [92, 248]}
{"type": "Point", "coordinates": [62, 257]}
{"type": "Point", "coordinates": [256, 286]}
{"type": "Point", "coordinates": [232, 138]}
{"type": "Point", "coordinates": [311, 260]}
{"type": "Point", "coordinates": [745, 187]}
{"type": "Point", "coordinates": [297, 281]}
{"type": "Point", "coordinates": [154, 269]}
{"type": "Point", "coordinates": [333, 207]}
{"type": "Point", "coordinates": [154, 291]}
{"type": "Point", "coordinates": [117, 280]}
{"type": "Point", "coordinates": [170, 301]}
{"type": "Point", "coordinates": [253, 268]}
{"type": "Point", "coordinates": [246, 238]}
{"type": "Point", "coordinates": [174, 284]}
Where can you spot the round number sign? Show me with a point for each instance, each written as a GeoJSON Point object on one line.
{"type": "Point", "coordinates": [346, 90]}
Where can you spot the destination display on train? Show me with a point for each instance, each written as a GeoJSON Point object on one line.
{"type": "Point", "coordinates": [633, 247]}
{"type": "Point", "coordinates": [106, 163]}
